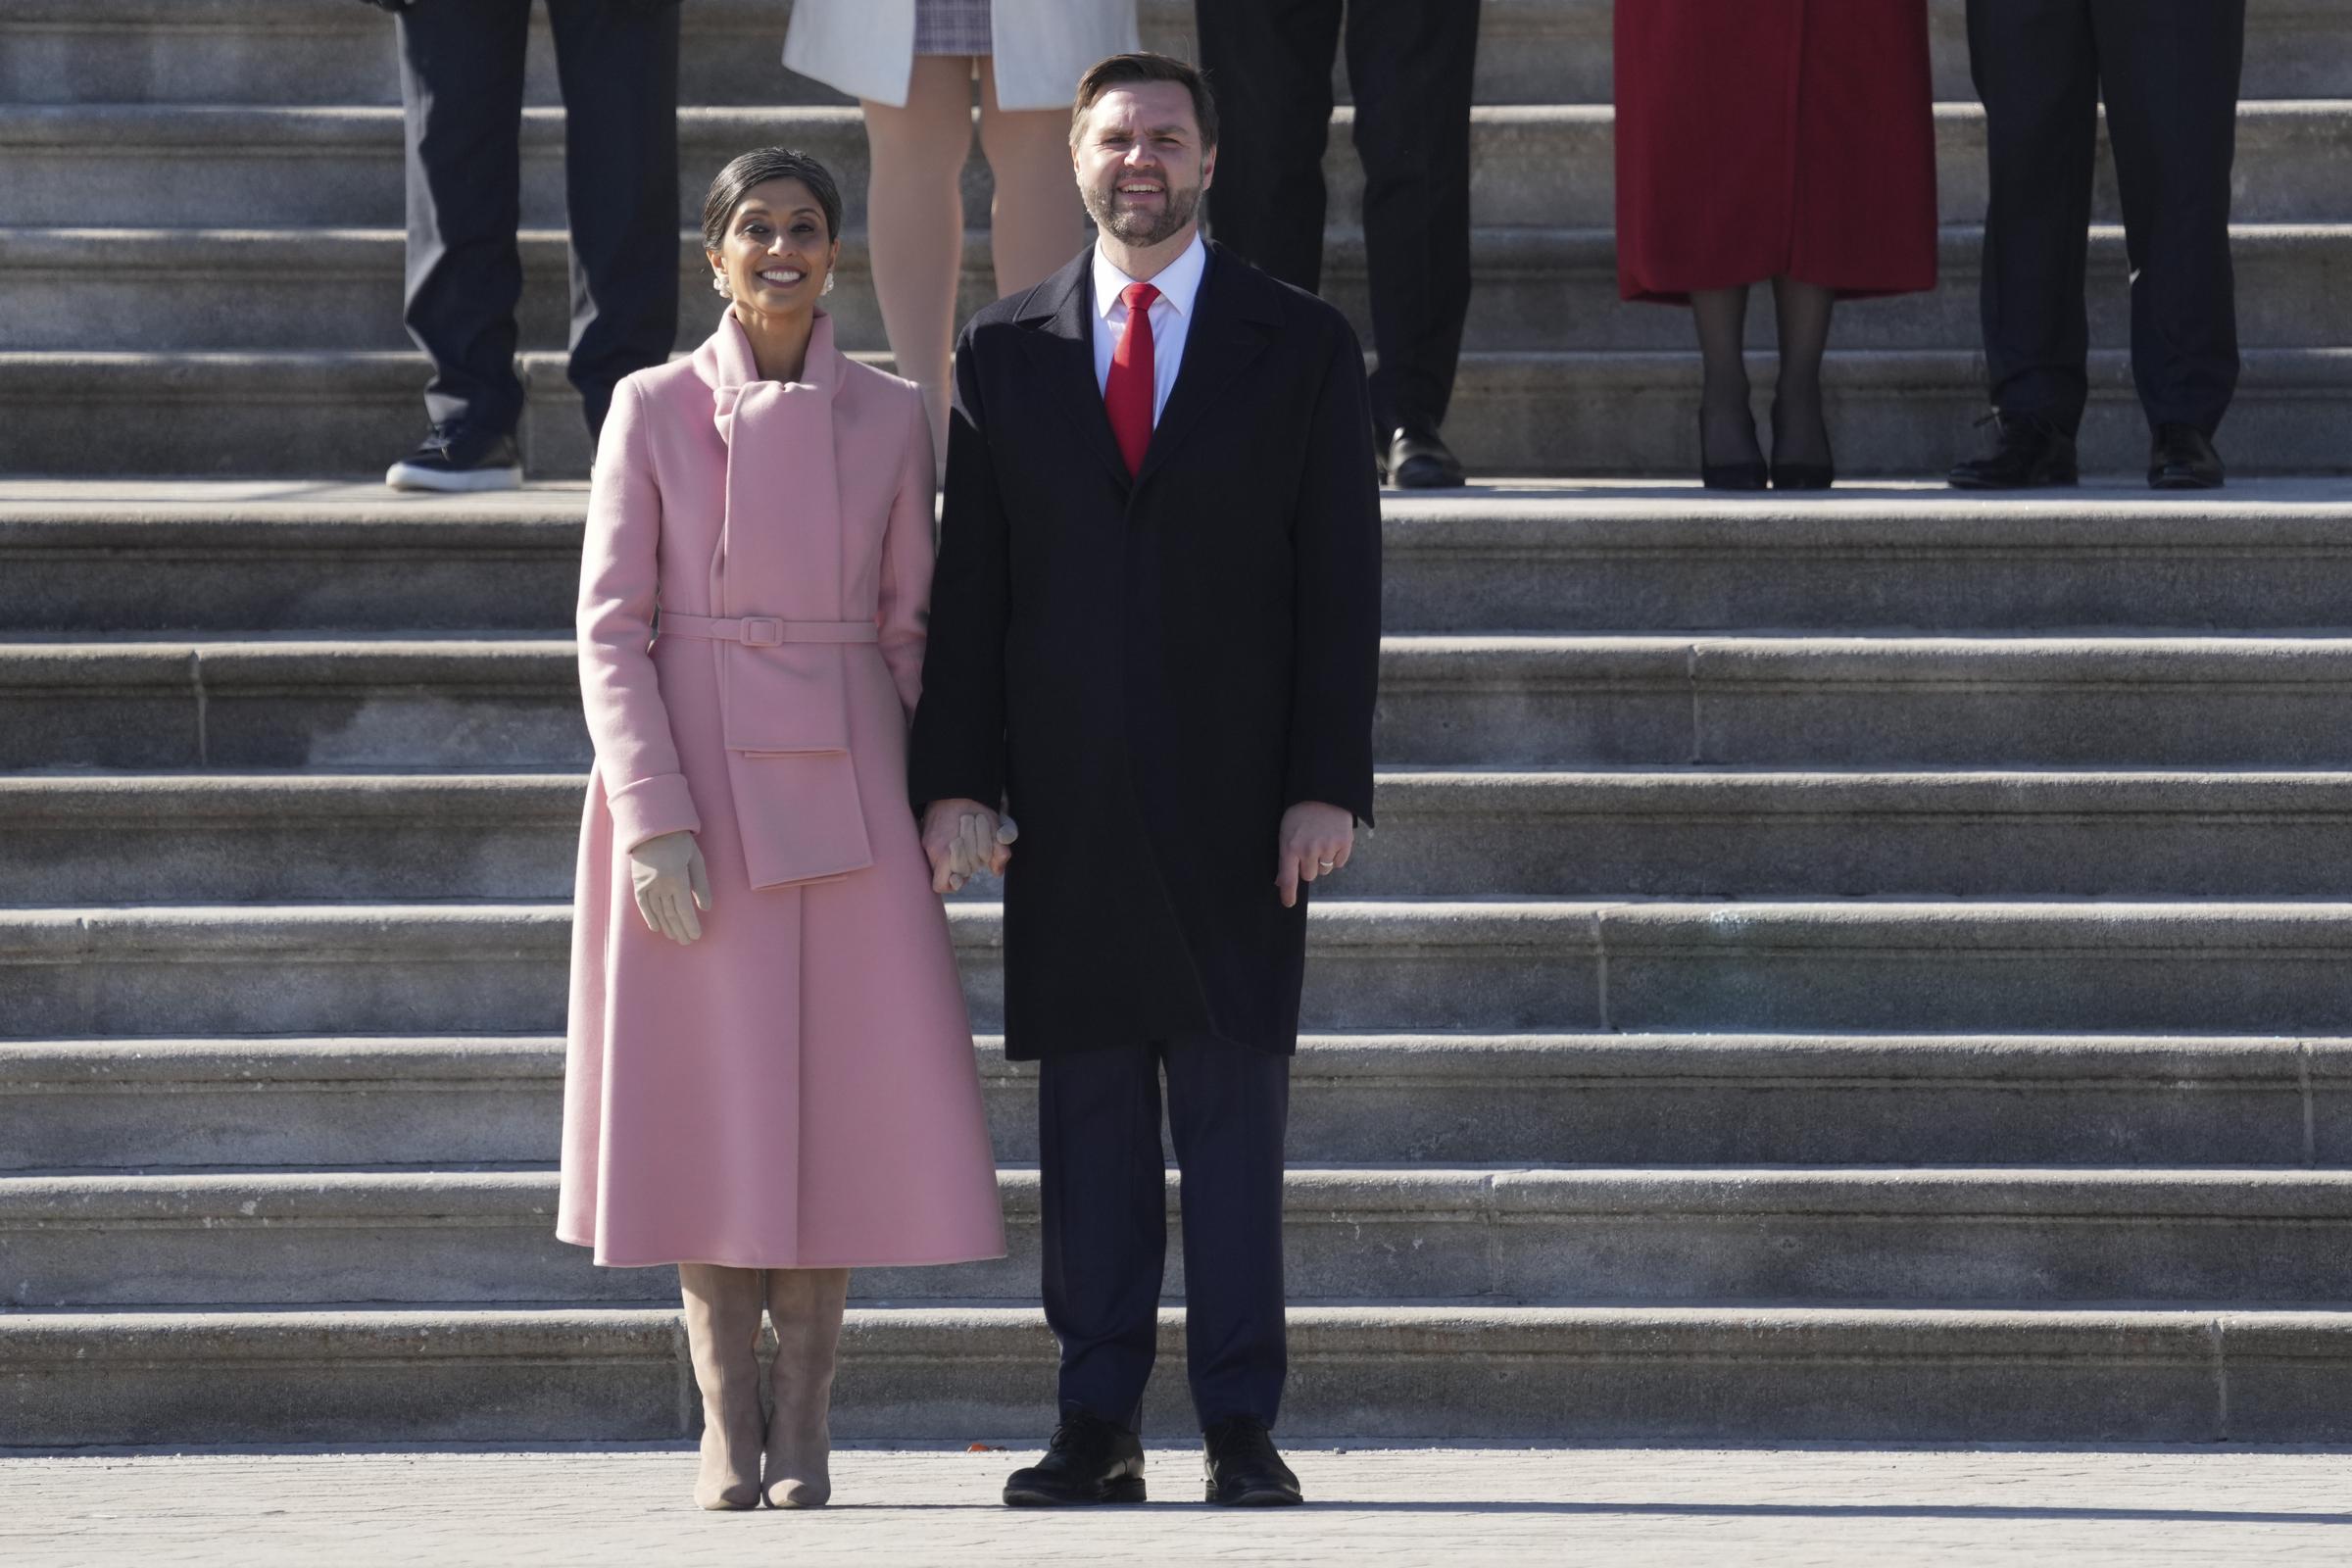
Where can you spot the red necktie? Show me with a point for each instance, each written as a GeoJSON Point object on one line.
{"type": "Point", "coordinates": [1127, 396]}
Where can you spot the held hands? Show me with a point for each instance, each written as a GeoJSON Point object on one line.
{"type": "Point", "coordinates": [963, 839]}
{"type": "Point", "coordinates": [670, 882]}
{"type": "Point", "coordinates": [1315, 841]}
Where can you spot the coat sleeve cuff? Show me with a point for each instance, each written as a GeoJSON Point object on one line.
{"type": "Point", "coordinates": [650, 807]}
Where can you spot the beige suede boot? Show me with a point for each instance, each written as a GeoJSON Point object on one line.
{"type": "Point", "coordinates": [806, 1307]}
{"type": "Point", "coordinates": [722, 1333]}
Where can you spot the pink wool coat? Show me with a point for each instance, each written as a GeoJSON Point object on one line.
{"type": "Point", "coordinates": [796, 1090]}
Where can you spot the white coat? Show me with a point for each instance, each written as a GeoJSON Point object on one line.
{"type": "Point", "coordinates": [865, 48]}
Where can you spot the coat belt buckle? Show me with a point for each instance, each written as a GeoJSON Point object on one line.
{"type": "Point", "coordinates": [761, 631]}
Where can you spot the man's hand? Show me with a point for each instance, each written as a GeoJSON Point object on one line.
{"type": "Point", "coordinates": [963, 839]}
{"type": "Point", "coordinates": [1315, 841]}
{"type": "Point", "coordinates": [669, 876]}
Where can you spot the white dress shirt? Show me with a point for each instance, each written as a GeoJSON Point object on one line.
{"type": "Point", "coordinates": [1179, 286]}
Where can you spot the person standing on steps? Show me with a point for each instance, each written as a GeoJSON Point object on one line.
{"type": "Point", "coordinates": [1409, 67]}
{"type": "Point", "coordinates": [461, 85]}
{"type": "Point", "coordinates": [769, 1077]}
{"type": "Point", "coordinates": [1157, 636]}
{"type": "Point", "coordinates": [2168, 71]}
{"type": "Point", "coordinates": [1788, 140]}
{"type": "Point", "coordinates": [911, 64]}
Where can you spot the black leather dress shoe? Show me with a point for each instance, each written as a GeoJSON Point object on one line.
{"type": "Point", "coordinates": [2181, 458]}
{"type": "Point", "coordinates": [2029, 452]}
{"type": "Point", "coordinates": [1243, 1470]}
{"type": "Point", "coordinates": [1089, 1460]}
{"type": "Point", "coordinates": [1416, 460]}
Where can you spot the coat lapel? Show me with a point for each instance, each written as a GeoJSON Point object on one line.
{"type": "Point", "coordinates": [1061, 314]}
{"type": "Point", "coordinates": [1232, 325]}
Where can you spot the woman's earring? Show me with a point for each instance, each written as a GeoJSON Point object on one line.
{"type": "Point", "coordinates": [719, 282]}
{"type": "Point", "coordinates": [828, 288]}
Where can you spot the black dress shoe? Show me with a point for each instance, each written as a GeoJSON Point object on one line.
{"type": "Point", "coordinates": [1243, 1470]}
{"type": "Point", "coordinates": [1795, 476]}
{"type": "Point", "coordinates": [1416, 460]}
{"type": "Point", "coordinates": [2183, 459]}
{"type": "Point", "coordinates": [1089, 1460]}
{"type": "Point", "coordinates": [2029, 452]}
{"type": "Point", "coordinates": [1750, 475]}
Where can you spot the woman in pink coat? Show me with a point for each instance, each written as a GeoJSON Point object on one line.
{"type": "Point", "coordinates": [771, 1077]}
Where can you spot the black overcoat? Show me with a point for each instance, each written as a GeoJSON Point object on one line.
{"type": "Point", "coordinates": [1149, 672]}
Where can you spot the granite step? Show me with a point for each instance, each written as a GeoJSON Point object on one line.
{"type": "Point", "coordinates": [101, 1105]}
{"type": "Point", "coordinates": [288, 51]}
{"type": "Point", "coordinates": [1579, 1236]}
{"type": "Point", "coordinates": [2203, 1374]}
{"type": "Point", "coordinates": [1909, 413]}
{"type": "Point", "coordinates": [1537, 288]}
{"type": "Point", "coordinates": [1492, 965]}
{"type": "Point", "coordinates": [1679, 833]}
{"type": "Point", "coordinates": [1543, 164]}
{"type": "Point", "coordinates": [1801, 702]}
{"type": "Point", "coordinates": [1526, 556]}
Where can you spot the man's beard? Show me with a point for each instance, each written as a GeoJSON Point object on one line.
{"type": "Point", "coordinates": [1133, 227]}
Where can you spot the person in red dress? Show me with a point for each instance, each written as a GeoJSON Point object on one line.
{"type": "Point", "coordinates": [1790, 140]}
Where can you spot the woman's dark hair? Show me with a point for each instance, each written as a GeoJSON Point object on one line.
{"type": "Point", "coordinates": [756, 167]}
{"type": "Point", "coordinates": [1105, 74]}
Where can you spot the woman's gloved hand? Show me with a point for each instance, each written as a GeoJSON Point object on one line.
{"type": "Point", "coordinates": [670, 882]}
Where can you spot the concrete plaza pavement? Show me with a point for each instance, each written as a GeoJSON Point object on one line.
{"type": "Point", "coordinates": [1370, 1506]}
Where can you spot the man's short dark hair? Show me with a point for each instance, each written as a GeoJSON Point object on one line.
{"type": "Point", "coordinates": [756, 169]}
{"type": "Point", "coordinates": [1105, 74]}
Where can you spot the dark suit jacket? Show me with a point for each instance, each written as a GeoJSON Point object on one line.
{"type": "Point", "coordinates": [1150, 671]}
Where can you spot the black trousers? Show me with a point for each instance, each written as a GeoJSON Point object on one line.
{"type": "Point", "coordinates": [1104, 1218]}
{"type": "Point", "coordinates": [1410, 65]}
{"type": "Point", "coordinates": [2169, 71]}
{"type": "Point", "coordinates": [461, 81]}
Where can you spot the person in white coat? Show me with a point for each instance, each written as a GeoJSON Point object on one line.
{"type": "Point", "coordinates": [912, 65]}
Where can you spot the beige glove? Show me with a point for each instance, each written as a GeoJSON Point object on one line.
{"type": "Point", "coordinates": [670, 881]}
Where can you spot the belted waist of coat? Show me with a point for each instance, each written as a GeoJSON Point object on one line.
{"type": "Point", "coordinates": [766, 631]}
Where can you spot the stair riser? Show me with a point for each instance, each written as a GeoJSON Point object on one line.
{"type": "Point", "coordinates": [1908, 416]}
{"type": "Point", "coordinates": [1433, 579]}
{"type": "Point", "coordinates": [1528, 168]}
{"type": "Point", "coordinates": [2289, 293]}
{"type": "Point", "coordinates": [218, 1260]}
{"type": "Point", "coordinates": [1474, 1119]}
{"type": "Point", "coordinates": [2141, 1385]}
{"type": "Point", "coordinates": [1525, 723]}
{"type": "Point", "coordinates": [2212, 851]}
{"type": "Point", "coordinates": [1664, 968]}
{"type": "Point", "coordinates": [1531, 51]}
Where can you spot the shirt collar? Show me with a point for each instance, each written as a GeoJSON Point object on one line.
{"type": "Point", "coordinates": [1178, 282]}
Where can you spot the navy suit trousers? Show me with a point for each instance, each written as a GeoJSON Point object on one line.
{"type": "Point", "coordinates": [1104, 1218]}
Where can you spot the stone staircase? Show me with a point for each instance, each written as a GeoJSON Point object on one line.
{"type": "Point", "coordinates": [1871, 966]}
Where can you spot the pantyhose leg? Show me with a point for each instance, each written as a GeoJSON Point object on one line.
{"type": "Point", "coordinates": [1800, 431]}
{"type": "Point", "coordinates": [914, 221]}
{"type": "Point", "coordinates": [1038, 222]}
{"type": "Point", "coordinates": [1727, 426]}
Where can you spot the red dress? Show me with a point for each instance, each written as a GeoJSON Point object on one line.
{"type": "Point", "coordinates": [1762, 137]}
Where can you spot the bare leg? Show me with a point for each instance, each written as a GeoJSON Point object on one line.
{"type": "Point", "coordinates": [1801, 431]}
{"type": "Point", "coordinates": [914, 221]}
{"type": "Point", "coordinates": [723, 1333]}
{"type": "Point", "coordinates": [1038, 222]}
{"type": "Point", "coordinates": [1727, 426]}
{"type": "Point", "coordinates": [806, 1307]}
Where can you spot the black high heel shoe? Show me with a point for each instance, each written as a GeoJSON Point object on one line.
{"type": "Point", "coordinates": [1750, 475]}
{"type": "Point", "coordinates": [1800, 475]}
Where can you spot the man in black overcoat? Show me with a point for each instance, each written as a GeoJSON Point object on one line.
{"type": "Point", "coordinates": [2169, 72]}
{"type": "Point", "coordinates": [1154, 638]}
